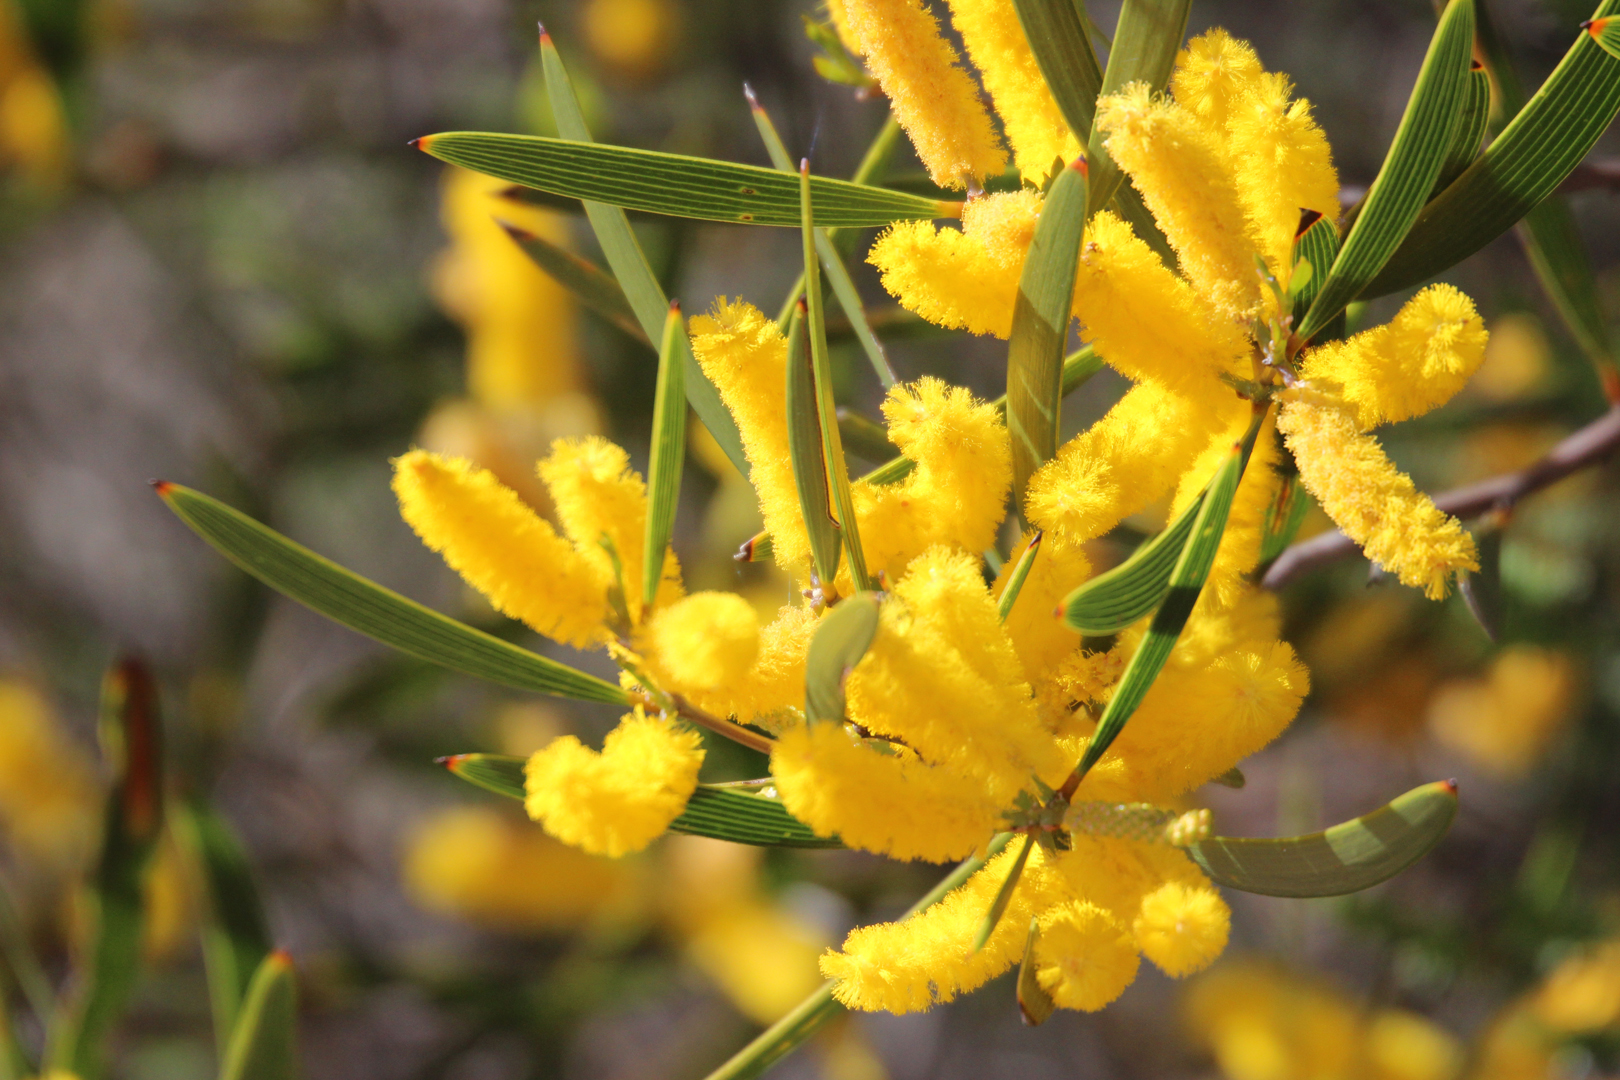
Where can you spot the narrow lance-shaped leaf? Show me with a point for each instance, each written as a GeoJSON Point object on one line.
{"type": "Point", "coordinates": [1144, 50]}
{"type": "Point", "coordinates": [1113, 600]}
{"type": "Point", "coordinates": [1040, 327]}
{"type": "Point", "coordinates": [790, 1032]}
{"type": "Point", "coordinates": [718, 812]}
{"type": "Point", "coordinates": [1186, 582]}
{"type": "Point", "coordinates": [1415, 158]}
{"type": "Point", "coordinates": [864, 436]}
{"type": "Point", "coordinates": [998, 906]}
{"type": "Point", "coordinates": [588, 283]}
{"type": "Point", "coordinates": [675, 184]}
{"type": "Point", "coordinates": [264, 1043]}
{"type": "Point", "coordinates": [235, 936]}
{"type": "Point", "coordinates": [826, 411]}
{"type": "Point", "coordinates": [629, 264]}
{"type": "Point", "coordinates": [806, 451]}
{"type": "Point", "coordinates": [132, 738]}
{"type": "Point", "coordinates": [370, 609]}
{"type": "Point", "coordinates": [1523, 165]}
{"type": "Point", "coordinates": [1316, 243]}
{"type": "Point", "coordinates": [1016, 579]}
{"type": "Point", "coordinates": [1606, 32]}
{"type": "Point", "coordinates": [668, 454]}
{"type": "Point", "coordinates": [1035, 1004]}
{"type": "Point", "coordinates": [1284, 517]}
{"type": "Point", "coordinates": [27, 972]}
{"type": "Point", "coordinates": [1470, 132]}
{"type": "Point", "coordinates": [841, 638]}
{"type": "Point", "coordinates": [838, 277]}
{"type": "Point", "coordinates": [1344, 859]}
{"type": "Point", "coordinates": [1056, 32]}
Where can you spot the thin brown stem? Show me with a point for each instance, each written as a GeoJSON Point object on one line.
{"type": "Point", "coordinates": [735, 732]}
{"type": "Point", "coordinates": [1588, 446]}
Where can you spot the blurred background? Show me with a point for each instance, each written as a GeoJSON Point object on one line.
{"type": "Point", "coordinates": [221, 264]}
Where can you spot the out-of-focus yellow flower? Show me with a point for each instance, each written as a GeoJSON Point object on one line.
{"type": "Point", "coordinates": [481, 865]}
{"type": "Point", "coordinates": [1264, 1023]}
{"type": "Point", "coordinates": [49, 796]}
{"type": "Point", "coordinates": [1505, 721]}
{"type": "Point", "coordinates": [1516, 359]}
{"type": "Point", "coordinates": [170, 914]}
{"type": "Point", "coordinates": [34, 138]}
{"type": "Point", "coordinates": [1582, 994]}
{"type": "Point", "coordinates": [759, 955]}
{"type": "Point", "coordinates": [634, 37]}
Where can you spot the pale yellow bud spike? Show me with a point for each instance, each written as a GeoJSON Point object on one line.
{"type": "Point", "coordinates": [1034, 124]}
{"type": "Point", "coordinates": [600, 500]}
{"type": "Point", "coordinates": [909, 966]}
{"type": "Point", "coordinates": [1148, 323]}
{"type": "Point", "coordinates": [502, 548]}
{"type": "Point", "coordinates": [1375, 504]}
{"type": "Point", "coordinates": [1101, 475]}
{"type": "Point", "coordinates": [745, 355]}
{"type": "Point", "coordinates": [1412, 364]}
{"type": "Point", "coordinates": [892, 804]}
{"type": "Point", "coordinates": [1186, 180]}
{"type": "Point", "coordinates": [620, 800]}
{"type": "Point", "coordinates": [1282, 164]}
{"type": "Point", "coordinates": [936, 102]}
{"type": "Point", "coordinates": [840, 23]}
{"type": "Point", "coordinates": [963, 279]}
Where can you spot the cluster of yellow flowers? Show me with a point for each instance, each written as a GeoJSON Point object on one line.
{"type": "Point", "coordinates": [955, 715]}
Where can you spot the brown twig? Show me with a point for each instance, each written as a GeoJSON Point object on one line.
{"type": "Point", "coordinates": [1588, 446]}
{"type": "Point", "coordinates": [735, 732]}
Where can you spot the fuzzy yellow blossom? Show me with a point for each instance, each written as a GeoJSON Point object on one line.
{"type": "Point", "coordinates": [1505, 722]}
{"type": "Point", "coordinates": [503, 548]}
{"type": "Point", "coordinates": [1282, 166]}
{"type": "Point", "coordinates": [955, 494]}
{"type": "Point", "coordinates": [1416, 362]}
{"type": "Point", "coordinates": [967, 278]}
{"type": "Point", "coordinates": [477, 864]}
{"type": "Point", "coordinates": [706, 641]}
{"type": "Point", "coordinates": [1212, 75]}
{"type": "Point", "coordinates": [885, 801]}
{"type": "Point", "coordinates": [935, 101]}
{"type": "Point", "coordinates": [634, 36]}
{"type": "Point", "coordinates": [1177, 163]}
{"type": "Point", "coordinates": [941, 676]}
{"type": "Point", "coordinates": [602, 504]}
{"type": "Point", "coordinates": [840, 23]}
{"type": "Point", "coordinates": [774, 682]}
{"type": "Point", "coordinates": [1101, 476]}
{"type": "Point", "coordinates": [1040, 136]}
{"type": "Point", "coordinates": [1375, 504]}
{"type": "Point", "coordinates": [745, 355]}
{"type": "Point", "coordinates": [48, 790]}
{"type": "Point", "coordinates": [621, 799]}
{"type": "Point", "coordinates": [1040, 640]}
{"type": "Point", "coordinates": [1582, 993]}
{"type": "Point", "coordinates": [1083, 957]}
{"type": "Point", "coordinates": [1182, 928]}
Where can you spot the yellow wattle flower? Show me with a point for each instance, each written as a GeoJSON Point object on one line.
{"type": "Point", "coordinates": [775, 681]}
{"type": "Point", "coordinates": [1083, 957]}
{"type": "Point", "coordinates": [1212, 74]}
{"type": "Point", "coordinates": [1182, 928]}
{"type": "Point", "coordinates": [1040, 639]}
{"type": "Point", "coordinates": [745, 355]}
{"type": "Point", "coordinates": [890, 803]}
{"type": "Point", "coordinates": [601, 501]}
{"type": "Point", "coordinates": [1414, 363]}
{"type": "Point", "coordinates": [963, 279]}
{"type": "Point", "coordinates": [995, 41]}
{"type": "Point", "coordinates": [1177, 163]}
{"type": "Point", "coordinates": [502, 548]}
{"type": "Point", "coordinates": [621, 799]}
{"type": "Point", "coordinates": [703, 642]}
{"type": "Point", "coordinates": [1282, 165]}
{"type": "Point", "coordinates": [936, 102]}
{"type": "Point", "coordinates": [1375, 504]}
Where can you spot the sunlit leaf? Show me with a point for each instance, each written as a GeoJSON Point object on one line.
{"type": "Point", "coordinates": [668, 454]}
{"type": "Point", "coordinates": [1316, 243]}
{"type": "Point", "coordinates": [1410, 168]}
{"type": "Point", "coordinates": [806, 451]}
{"type": "Point", "coordinates": [629, 264]}
{"type": "Point", "coordinates": [1144, 50]}
{"type": "Point", "coordinates": [1344, 859]}
{"type": "Point", "coordinates": [1034, 1003]}
{"type": "Point", "coordinates": [841, 638]}
{"type": "Point", "coordinates": [1040, 327]}
{"type": "Point", "coordinates": [998, 906]}
{"type": "Point", "coordinates": [1016, 579]}
{"type": "Point", "coordinates": [1115, 599]}
{"type": "Point", "coordinates": [370, 609]}
{"type": "Point", "coordinates": [1523, 165]}
{"type": "Point", "coordinates": [1056, 32]}
{"type": "Point", "coordinates": [1471, 125]}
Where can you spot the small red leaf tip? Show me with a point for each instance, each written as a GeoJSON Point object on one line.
{"type": "Point", "coordinates": [1451, 785]}
{"type": "Point", "coordinates": [753, 102]}
{"type": "Point", "coordinates": [1080, 166]}
{"type": "Point", "coordinates": [1595, 27]}
{"type": "Point", "coordinates": [1475, 65]}
{"type": "Point", "coordinates": [162, 487]}
{"type": "Point", "coordinates": [449, 761]}
{"type": "Point", "coordinates": [545, 37]}
{"type": "Point", "coordinates": [281, 958]}
{"type": "Point", "coordinates": [418, 144]}
{"type": "Point", "coordinates": [801, 307]}
{"type": "Point", "coordinates": [804, 166]}
{"type": "Point", "coordinates": [675, 307]}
